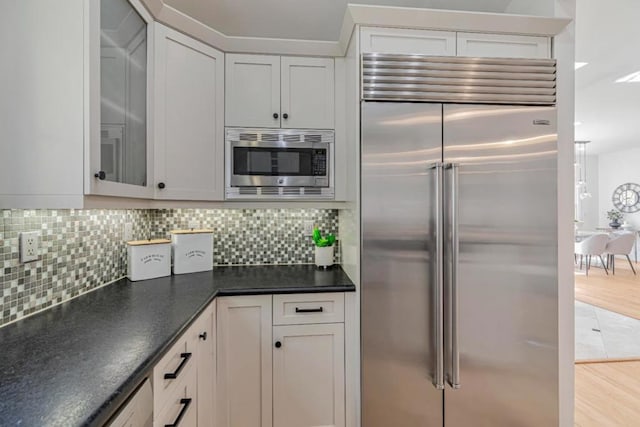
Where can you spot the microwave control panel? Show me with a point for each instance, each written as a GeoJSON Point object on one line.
{"type": "Point", "coordinates": [319, 162]}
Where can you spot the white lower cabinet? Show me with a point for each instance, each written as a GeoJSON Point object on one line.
{"type": "Point", "coordinates": [308, 375]}
{"type": "Point", "coordinates": [279, 375]}
{"type": "Point", "coordinates": [237, 367]}
{"type": "Point", "coordinates": [244, 361]}
{"type": "Point", "coordinates": [184, 379]}
{"type": "Point", "coordinates": [205, 328]}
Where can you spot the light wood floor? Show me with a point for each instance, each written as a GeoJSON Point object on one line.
{"type": "Point", "coordinates": [619, 292]}
{"type": "Point", "coordinates": [608, 394]}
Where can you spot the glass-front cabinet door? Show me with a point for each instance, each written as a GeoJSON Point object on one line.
{"type": "Point", "coordinates": [119, 63]}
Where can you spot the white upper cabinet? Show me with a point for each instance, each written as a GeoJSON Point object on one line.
{"type": "Point", "coordinates": [279, 92]}
{"type": "Point", "coordinates": [189, 118]}
{"type": "Point", "coordinates": [307, 93]}
{"type": "Point", "coordinates": [42, 104]}
{"type": "Point", "coordinates": [253, 91]}
{"type": "Point", "coordinates": [450, 43]}
{"type": "Point", "coordinates": [405, 41]}
{"type": "Point", "coordinates": [119, 63]}
{"type": "Point", "coordinates": [503, 46]}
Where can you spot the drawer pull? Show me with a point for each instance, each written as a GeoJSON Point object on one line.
{"type": "Point", "coordinates": [309, 310]}
{"type": "Point", "coordinates": [185, 406]}
{"type": "Point", "coordinates": [174, 375]}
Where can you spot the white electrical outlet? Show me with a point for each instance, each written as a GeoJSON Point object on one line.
{"type": "Point", "coordinates": [194, 224]}
{"type": "Point", "coordinates": [127, 232]}
{"type": "Point", "coordinates": [307, 229]}
{"type": "Point", "coordinates": [29, 246]}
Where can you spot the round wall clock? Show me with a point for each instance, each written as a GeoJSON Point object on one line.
{"type": "Point", "coordinates": [626, 198]}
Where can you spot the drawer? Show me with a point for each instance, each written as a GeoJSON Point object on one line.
{"type": "Point", "coordinates": [173, 365]}
{"type": "Point", "coordinates": [137, 411]}
{"type": "Point", "coordinates": [181, 406]}
{"type": "Point", "coordinates": [300, 309]}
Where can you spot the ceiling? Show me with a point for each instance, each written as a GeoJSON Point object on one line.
{"type": "Point", "coordinates": [320, 19]}
{"type": "Point", "coordinates": [607, 36]}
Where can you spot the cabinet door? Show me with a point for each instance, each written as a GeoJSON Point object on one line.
{"type": "Point", "coordinates": [119, 87]}
{"type": "Point", "coordinates": [189, 103]}
{"type": "Point", "coordinates": [503, 46]}
{"type": "Point", "coordinates": [412, 42]}
{"type": "Point", "coordinates": [253, 91]}
{"type": "Point", "coordinates": [307, 93]}
{"type": "Point", "coordinates": [204, 330]}
{"type": "Point", "coordinates": [308, 375]}
{"type": "Point", "coordinates": [244, 361]}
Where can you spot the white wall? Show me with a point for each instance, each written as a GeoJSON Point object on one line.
{"type": "Point", "coordinates": [589, 210]}
{"type": "Point", "coordinates": [528, 7]}
{"type": "Point", "coordinates": [614, 169]}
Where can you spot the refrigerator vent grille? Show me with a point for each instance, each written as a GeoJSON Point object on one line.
{"type": "Point", "coordinates": [389, 77]}
{"type": "Point", "coordinates": [277, 135]}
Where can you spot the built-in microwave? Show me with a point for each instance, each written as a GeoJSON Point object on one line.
{"type": "Point", "coordinates": [279, 163]}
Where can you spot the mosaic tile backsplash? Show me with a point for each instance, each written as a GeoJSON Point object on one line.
{"type": "Point", "coordinates": [84, 249]}
{"type": "Point", "coordinates": [252, 236]}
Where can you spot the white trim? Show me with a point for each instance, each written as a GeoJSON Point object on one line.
{"type": "Point", "coordinates": [100, 202]}
{"type": "Point", "coordinates": [41, 201]}
{"type": "Point", "coordinates": [564, 51]}
{"type": "Point", "coordinates": [383, 16]}
{"type": "Point", "coordinates": [196, 29]}
{"type": "Point", "coordinates": [433, 19]}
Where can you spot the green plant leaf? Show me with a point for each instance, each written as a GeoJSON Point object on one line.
{"type": "Point", "coordinates": [316, 235]}
{"type": "Point", "coordinates": [322, 242]}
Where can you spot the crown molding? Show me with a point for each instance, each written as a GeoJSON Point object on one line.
{"type": "Point", "coordinates": [184, 23]}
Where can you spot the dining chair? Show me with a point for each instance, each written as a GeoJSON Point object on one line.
{"type": "Point", "coordinates": [592, 245]}
{"type": "Point", "coordinates": [620, 244]}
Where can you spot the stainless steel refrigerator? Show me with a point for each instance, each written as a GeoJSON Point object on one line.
{"type": "Point", "coordinates": [459, 264]}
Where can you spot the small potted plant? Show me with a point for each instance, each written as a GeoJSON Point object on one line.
{"type": "Point", "coordinates": [614, 216]}
{"type": "Point", "coordinates": [324, 248]}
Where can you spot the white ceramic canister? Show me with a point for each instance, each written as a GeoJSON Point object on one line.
{"type": "Point", "coordinates": [148, 259]}
{"type": "Point", "coordinates": [192, 250]}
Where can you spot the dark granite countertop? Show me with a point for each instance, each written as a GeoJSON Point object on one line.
{"type": "Point", "coordinates": [77, 362]}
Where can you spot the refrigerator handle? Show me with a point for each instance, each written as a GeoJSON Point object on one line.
{"type": "Point", "coordinates": [452, 292]}
{"type": "Point", "coordinates": [438, 380]}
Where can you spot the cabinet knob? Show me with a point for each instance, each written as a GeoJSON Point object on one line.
{"type": "Point", "coordinates": [275, 115]}
{"type": "Point", "coordinates": [203, 336]}
{"type": "Point", "coordinates": [161, 185]}
{"type": "Point", "coordinates": [285, 116]}
{"type": "Point", "coordinates": [278, 344]}
{"type": "Point", "coordinates": [100, 175]}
